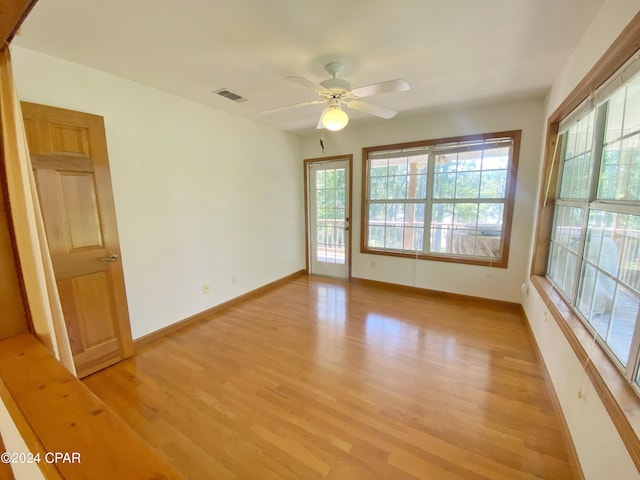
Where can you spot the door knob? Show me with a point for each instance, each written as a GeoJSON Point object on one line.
{"type": "Point", "coordinates": [111, 258]}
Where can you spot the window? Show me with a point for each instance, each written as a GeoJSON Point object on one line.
{"type": "Point", "coordinates": [448, 199]}
{"type": "Point", "coordinates": [594, 257]}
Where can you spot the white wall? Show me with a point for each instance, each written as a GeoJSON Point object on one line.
{"type": "Point", "coordinates": [202, 196]}
{"type": "Point", "coordinates": [497, 283]}
{"type": "Point", "coordinates": [600, 448]}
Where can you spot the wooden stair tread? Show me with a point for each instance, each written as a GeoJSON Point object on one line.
{"type": "Point", "coordinates": [66, 417]}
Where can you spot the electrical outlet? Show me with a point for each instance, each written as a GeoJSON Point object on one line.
{"type": "Point", "coordinates": [372, 264]}
{"type": "Point", "coordinates": [234, 279]}
{"type": "Point", "coordinates": [206, 288]}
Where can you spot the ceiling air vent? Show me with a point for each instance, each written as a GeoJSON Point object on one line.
{"type": "Point", "coordinates": [223, 92]}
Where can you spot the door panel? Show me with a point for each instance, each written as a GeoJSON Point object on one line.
{"type": "Point", "coordinates": [81, 208]}
{"type": "Point", "coordinates": [71, 171]}
{"type": "Point", "coordinates": [69, 139]}
{"type": "Point", "coordinates": [329, 211]}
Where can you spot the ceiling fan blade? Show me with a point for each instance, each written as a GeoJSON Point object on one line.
{"type": "Point", "coordinates": [285, 107]}
{"type": "Point", "coordinates": [305, 82]}
{"type": "Point", "coordinates": [381, 112]}
{"type": "Point", "coordinates": [397, 85]}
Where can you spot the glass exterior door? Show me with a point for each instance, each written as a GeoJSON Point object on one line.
{"type": "Point", "coordinates": [328, 195]}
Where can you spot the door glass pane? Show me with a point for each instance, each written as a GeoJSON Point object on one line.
{"type": "Point", "coordinates": [330, 215]}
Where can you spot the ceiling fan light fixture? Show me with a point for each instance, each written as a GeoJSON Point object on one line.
{"type": "Point", "coordinates": [334, 118]}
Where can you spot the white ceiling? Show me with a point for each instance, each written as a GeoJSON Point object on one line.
{"type": "Point", "coordinates": [450, 51]}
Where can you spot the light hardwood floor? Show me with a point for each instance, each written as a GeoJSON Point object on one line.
{"type": "Point", "coordinates": [320, 378]}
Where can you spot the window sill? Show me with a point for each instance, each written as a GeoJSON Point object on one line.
{"type": "Point", "coordinates": [619, 398]}
{"type": "Point", "coordinates": [484, 262]}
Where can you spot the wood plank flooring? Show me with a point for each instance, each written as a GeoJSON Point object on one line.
{"type": "Point", "coordinates": [323, 379]}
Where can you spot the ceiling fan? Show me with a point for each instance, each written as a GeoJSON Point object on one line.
{"type": "Point", "coordinates": [335, 92]}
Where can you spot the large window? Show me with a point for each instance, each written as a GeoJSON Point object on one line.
{"type": "Point", "coordinates": [594, 259]}
{"type": "Point", "coordinates": [448, 199]}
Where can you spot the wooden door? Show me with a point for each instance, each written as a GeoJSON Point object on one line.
{"type": "Point", "coordinates": [69, 157]}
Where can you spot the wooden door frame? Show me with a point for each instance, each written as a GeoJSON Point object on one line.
{"type": "Point", "coordinates": [13, 14]}
{"type": "Point", "coordinates": [307, 163]}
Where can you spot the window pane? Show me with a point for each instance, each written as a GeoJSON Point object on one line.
{"type": "Point", "coordinates": [602, 300]}
{"type": "Point", "coordinates": [465, 215]}
{"type": "Point", "coordinates": [442, 213]}
{"type": "Point", "coordinates": [632, 107]}
{"type": "Point", "coordinates": [586, 289]}
{"type": "Point", "coordinates": [393, 238]}
{"type": "Point", "coordinates": [468, 185]}
{"type": "Point", "coordinates": [609, 171]}
{"type": "Point", "coordinates": [494, 183]}
{"type": "Point", "coordinates": [445, 163]}
{"type": "Point", "coordinates": [600, 247]}
{"type": "Point", "coordinates": [415, 214]}
{"type": "Point", "coordinates": [575, 177]}
{"type": "Point", "coordinates": [444, 185]}
{"type": "Point", "coordinates": [577, 158]}
{"type": "Point", "coordinates": [398, 166]}
{"type": "Point", "coordinates": [615, 114]}
{"type": "Point", "coordinates": [417, 186]}
{"type": "Point", "coordinates": [567, 178]}
{"type": "Point", "coordinates": [397, 188]}
{"type": "Point", "coordinates": [376, 236]}
{"type": "Point", "coordinates": [441, 227]}
{"type": "Point", "coordinates": [320, 179]}
{"type": "Point", "coordinates": [620, 171]}
{"type": "Point", "coordinates": [469, 161]}
{"type": "Point", "coordinates": [561, 227]}
{"type": "Point", "coordinates": [623, 322]}
{"type": "Point", "coordinates": [377, 213]}
{"type": "Point", "coordinates": [440, 240]}
{"type": "Point", "coordinates": [627, 237]}
{"type": "Point", "coordinates": [395, 213]}
{"type": "Point", "coordinates": [630, 253]}
{"type": "Point", "coordinates": [629, 184]}
{"type": "Point", "coordinates": [570, 143]}
{"type": "Point", "coordinates": [490, 217]}
{"type": "Point", "coordinates": [496, 158]}
{"type": "Point", "coordinates": [567, 227]}
{"type": "Point", "coordinates": [378, 168]}
{"type": "Point", "coordinates": [378, 188]}
{"type": "Point", "coordinates": [417, 239]}
{"type": "Point", "coordinates": [562, 270]}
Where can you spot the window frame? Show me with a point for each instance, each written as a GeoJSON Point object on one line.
{"type": "Point", "coordinates": [509, 200]}
{"type": "Point", "coordinates": [591, 203]}
{"type": "Point", "coordinates": [618, 396]}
